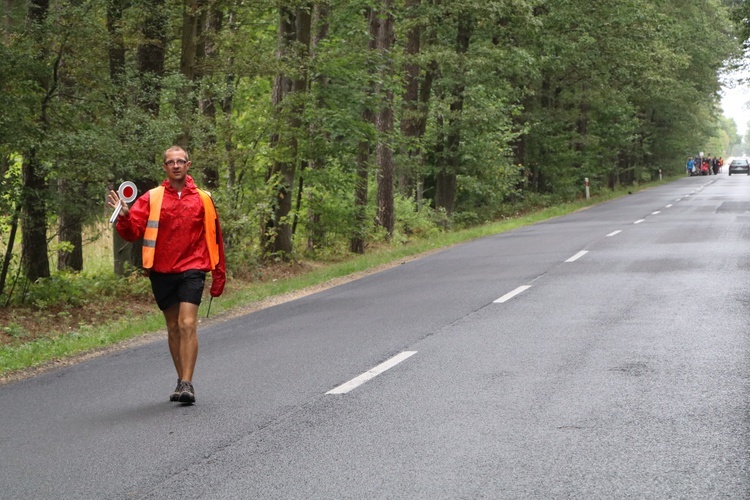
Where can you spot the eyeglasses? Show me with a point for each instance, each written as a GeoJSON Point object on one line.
{"type": "Point", "coordinates": [171, 163]}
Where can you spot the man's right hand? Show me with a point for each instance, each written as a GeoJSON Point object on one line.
{"type": "Point", "coordinates": [114, 199]}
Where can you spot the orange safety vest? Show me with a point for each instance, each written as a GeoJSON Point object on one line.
{"type": "Point", "coordinates": [210, 222]}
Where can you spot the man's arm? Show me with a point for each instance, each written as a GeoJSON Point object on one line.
{"type": "Point", "coordinates": [131, 224]}
{"type": "Point", "coordinates": [219, 273]}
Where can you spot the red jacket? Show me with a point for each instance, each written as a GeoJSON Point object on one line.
{"type": "Point", "coordinates": [181, 243]}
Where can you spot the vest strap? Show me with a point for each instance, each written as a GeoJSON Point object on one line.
{"type": "Point", "coordinates": [155, 197]}
{"type": "Point", "coordinates": [211, 225]}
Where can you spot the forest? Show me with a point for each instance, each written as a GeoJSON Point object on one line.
{"type": "Point", "coordinates": [322, 127]}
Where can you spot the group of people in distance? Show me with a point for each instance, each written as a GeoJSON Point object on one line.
{"type": "Point", "coordinates": [704, 165]}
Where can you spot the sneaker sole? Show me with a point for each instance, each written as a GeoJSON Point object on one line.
{"type": "Point", "coordinates": [186, 397]}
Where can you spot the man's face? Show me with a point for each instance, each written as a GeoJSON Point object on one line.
{"type": "Point", "coordinates": [176, 165]}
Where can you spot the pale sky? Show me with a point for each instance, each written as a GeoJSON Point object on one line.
{"type": "Point", "coordinates": [734, 102]}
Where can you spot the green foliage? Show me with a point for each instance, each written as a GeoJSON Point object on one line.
{"type": "Point", "coordinates": [416, 223]}
{"type": "Point", "coordinates": [15, 331]}
{"type": "Point", "coordinates": [651, 108]}
{"type": "Point", "coordinates": [75, 289]}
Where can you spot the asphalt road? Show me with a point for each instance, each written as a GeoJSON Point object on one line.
{"type": "Point", "coordinates": [602, 354]}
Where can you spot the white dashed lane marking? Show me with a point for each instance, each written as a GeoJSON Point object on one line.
{"type": "Point", "coordinates": [510, 295]}
{"type": "Point", "coordinates": [370, 374]}
{"type": "Point", "coordinates": [577, 256]}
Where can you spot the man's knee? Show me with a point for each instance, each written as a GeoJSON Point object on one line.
{"type": "Point", "coordinates": [188, 319]}
{"type": "Point", "coordinates": [187, 325]}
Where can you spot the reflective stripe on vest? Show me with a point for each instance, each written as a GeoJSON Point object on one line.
{"type": "Point", "coordinates": [210, 223]}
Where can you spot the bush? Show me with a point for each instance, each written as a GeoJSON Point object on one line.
{"type": "Point", "coordinates": [420, 223]}
{"type": "Point", "coordinates": [77, 289]}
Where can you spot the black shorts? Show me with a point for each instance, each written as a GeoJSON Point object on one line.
{"type": "Point", "coordinates": [172, 288]}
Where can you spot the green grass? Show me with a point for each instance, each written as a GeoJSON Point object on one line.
{"type": "Point", "coordinates": [90, 338]}
{"type": "Point", "coordinates": [86, 339]}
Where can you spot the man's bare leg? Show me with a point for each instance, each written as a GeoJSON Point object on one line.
{"type": "Point", "coordinates": [182, 331]}
{"type": "Point", "coordinates": [188, 348]}
{"type": "Point", "coordinates": [172, 315]}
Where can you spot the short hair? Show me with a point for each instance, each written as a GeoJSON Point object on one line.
{"type": "Point", "coordinates": [176, 148]}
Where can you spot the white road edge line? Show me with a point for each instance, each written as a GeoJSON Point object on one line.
{"type": "Point", "coordinates": [639, 221]}
{"type": "Point", "coordinates": [577, 256]}
{"type": "Point", "coordinates": [510, 295]}
{"type": "Point", "coordinates": [614, 233]}
{"type": "Point", "coordinates": [370, 374]}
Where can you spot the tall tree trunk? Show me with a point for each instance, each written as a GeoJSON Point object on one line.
{"type": "Point", "coordinates": [300, 84]}
{"type": "Point", "coordinates": [293, 32]}
{"type": "Point", "coordinates": [34, 218]}
{"type": "Point", "coordinates": [519, 145]}
{"type": "Point", "coordinates": [321, 23]}
{"type": "Point", "coordinates": [70, 228]}
{"type": "Point", "coordinates": [192, 11]}
{"type": "Point", "coordinates": [364, 149]}
{"type": "Point", "coordinates": [116, 46]}
{"type": "Point", "coordinates": [192, 14]}
{"type": "Point", "coordinates": [150, 55]}
{"type": "Point", "coordinates": [411, 109]}
{"type": "Point", "coordinates": [384, 122]}
{"type": "Point", "coordinates": [207, 103]}
{"type": "Point", "coordinates": [71, 231]}
{"type": "Point", "coordinates": [227, 103]}
{"type": "Point", "coordinates": [34, 195]}
{"type": "Point", "coordinates": [425, 93]}
{"type": "Point", "coordinates": [446, 181]}
{"type": "Point", "coordinates": [71, 191]}
{"type": "Point", "coordinates": [274, 238]}
{"type": "Point", "coordinates": [582, 127]}
{"type": "Point", "coordinates": [201, 23]}
{"type": "Point", "coordinates": [358, 240]}
{"type": "Point", "coordinates": [439, 154]}
{"type": "Point", "coordinates": [9, 248]}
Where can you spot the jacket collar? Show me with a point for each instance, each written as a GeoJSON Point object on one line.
{"type": "Point", "coordinates": [189, 187]}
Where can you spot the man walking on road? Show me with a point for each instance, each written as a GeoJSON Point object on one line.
{"type": "Point", "coordinates": [181, 242]}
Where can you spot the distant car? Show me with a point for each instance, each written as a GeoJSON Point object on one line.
{"type": "Point", "coordinates": [739, 166]}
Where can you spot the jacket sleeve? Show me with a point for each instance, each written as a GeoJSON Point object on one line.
{"type": "Point", "coordinates": [219, 273]}
{"type": "Point", "coordinates": [133, 225]}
